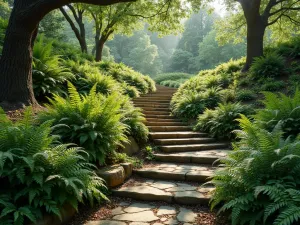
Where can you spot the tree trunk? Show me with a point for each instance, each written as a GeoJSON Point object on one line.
{"type": "Point", "coordinates": [82, 41]}
{"type": "Point", "coordinates": [255, 42]}
{"type": "Point", "coordinates": [16, 61]}
{"type": "Point", "coordinates": [99, 49]}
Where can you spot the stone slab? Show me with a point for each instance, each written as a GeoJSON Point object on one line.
{"type": "Point", "coordinates": [105, 222]}
{"type": "Point", "coordinates": [145, 216]}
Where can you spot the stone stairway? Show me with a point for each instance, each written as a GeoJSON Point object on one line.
{"type": "Point", "coordinates": [185, 160]}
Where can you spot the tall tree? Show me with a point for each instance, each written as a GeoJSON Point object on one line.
{"type": "Point", "coordinates": [195, 29]}
{"type": "Point", "coordinates": [258, 15]}
{"type": "Point", "coordinates": [16, 60]}
{"type": "Point", "coordinates": [77, 11]}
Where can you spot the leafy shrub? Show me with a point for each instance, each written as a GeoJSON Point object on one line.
{"type": "Point", "coordinates": [171, 76]}
{"type": "Point", "coordinates": [88, 75]}
{"type": "Point", "coordinates": [259, 181]}
{"type": "Point", "coordinates": [228, 95]}
{"type": "Point", "coordinates": [290, 48]}
{"type": "Point", "coordinates": [171, 83]}
{"type": "Point", "coordinates": [92, 122]}
{"type": "Point", "coordinates": [272, 85]}
{"type": "Point", "coordinates": [134, 119]}
{"type": "Point", "coordinates": [48, 73]}
{"type": "Point", "coordinates": [245, 95]}
{"type": "Point", "coordinates": [122, 74]}
{"type": "Point", "coordinates": [271, 65]}
{"type": "Point", "coordinates": [191, 104]}
{"type": "Point", "coordinates": [221, 121]}
{"type": "Point", "coordinates": [212, 81]}
{"type": "Point", "coordinates": [38, 176]}
{"type": "Point", "coordinates": [279, 107]}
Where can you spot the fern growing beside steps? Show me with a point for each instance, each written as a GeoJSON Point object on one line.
{"type": "Point", "coordinates": [92, 121]}
{"type": "Point", "coordinates": [38, 177]}
{"type": "Point", "coordinates": [260, 180]}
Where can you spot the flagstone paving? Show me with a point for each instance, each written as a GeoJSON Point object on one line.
{"type": "Point", "coordinates": [169, 191]}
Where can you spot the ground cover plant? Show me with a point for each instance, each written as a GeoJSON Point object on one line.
{"type": "Point", "coordinates": [259, 181]}
{"type": "Point", "coordinates": [273, 72]}
{"type": "Point", "coordinates": [172, 79]}
{"type": "Point", "coordinates": [92, 121]}
{"type": "Point", "coordinates": [38, 175]}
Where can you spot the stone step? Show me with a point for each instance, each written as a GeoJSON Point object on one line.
{"type": "Point", "coordinates": [178, 172]}
{"type": "Point", "coordinates": [186, 134]}
{"type": "Point", "coordinates": [156, 112]}
{"type": "Point", "coordinates": [158, 94]}
{"type": "Point", "coordinates": [183, 141]}
{"type": "Point", "coordinates": [168, 123]}
{"type": "Point", "coordinates": [193, 147]}
{"type": "Point", "coordinates": [162, 109]}
{"type": "Point", "coordinates": [154, 98]}
{"type": "Point", "coordinates": [201, 157]}
{"type": "Point", "coordinates": [154, 105]}
{"type": "Point", "coordinates": [169, 128]}
{"type": "Point", "coordinates": [158, 120]}
{"type": "Point", "coordinates": [170, 192]}
{"type": "Point", "coordinates": [159, 116]}
{"type": "Point", "coordinates": [151, 101]}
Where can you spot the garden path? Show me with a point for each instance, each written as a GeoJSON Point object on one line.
{"type": "Point", "coordinates": [168, 191]}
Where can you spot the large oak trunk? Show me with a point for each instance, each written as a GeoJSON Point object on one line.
{"type": "Point", "coordinates": [16, 60]}
{"type": "Point", "coordinates": [255, 42]}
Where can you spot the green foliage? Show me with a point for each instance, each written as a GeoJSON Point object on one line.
{"type": "Point", "coordinates": [135, 120]}
{"type": "Point", "coordinates": [124, 158]}
{"type": "Point", "coordinates": [3, 26]}
{"type": "Point", "coordinates": [124, 74]}
{"type": "Point", "coordinates": [48, 73]}
{"type": "Point", "coordinates": [272, 85]}
{"type": "Point", "coordinates": [245, 95]}
{"type": "Point", "coordinates": [259, 181]}
{"type": "Point", "coordinates": [171, 83]}
{"type": "Point", "coordinates": [191, 104]}
{"type": "Point", "coordinates": [221, 121]}
{"type": "Point", "coordinates": [92, 121]}
{"type": "Point", "coordinates": [272, 65]}
{"type": "Point", "coordinates": [171, 76]}
{"type": "Point", "coordinates": [290, 48]}
{"type": "Point", "coordinates": [38, 176]}
{"type": "Point", "coordinates": [279, 107]}
{"type": "Point", "coordinates": [149, 153]}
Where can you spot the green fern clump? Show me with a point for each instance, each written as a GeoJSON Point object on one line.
{"type": "Point", "coordinates": [122, 73]}
{"type": "Point", "coordinates": [273, 85]}
{"type": "Point", "coordinates": [171, 77]}
{"type": "Point", "coordinates": [135, 121]}
{"type": "Point", "coordinates": [48, 72]}
{"type": "Point", "coordinates": [271, 65]}
{"type": "Point", "coordinates": [259, 180]}
{"type": "Point", "coordinates": [279, 107]}
{"type": "Point", "coordinates": [221, 121]}
{"type": "Point", "coordinates": [37, 175]}
{"type": "Point", "coordinates": [245, 95]}
{"type": "Point", "coordinates": [191, 104]}
{"type": "Point", "coordinates": [92, 121]}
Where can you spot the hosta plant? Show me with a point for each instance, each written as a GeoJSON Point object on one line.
{"type": "Point", "coordinates": [92, 121]}
{"type": "Point", "coordinates": [259, 181]}
{"type": "Point", "coordinates": [38, 176]}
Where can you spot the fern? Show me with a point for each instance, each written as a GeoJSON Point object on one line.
{"type": "Point", "coordinates": [259, 180]}
{"type": "Point", "coordinates": [93, 122]}
{"type": "Point", "coordinates": [38, 176]}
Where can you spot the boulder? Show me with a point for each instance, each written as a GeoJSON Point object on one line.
{"type": "Point", "coordinates": [113, 175]}
{"type": "Point", "coordinates": [131, 147]}
{"type": "Point", "coordinates": [128, 167]}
